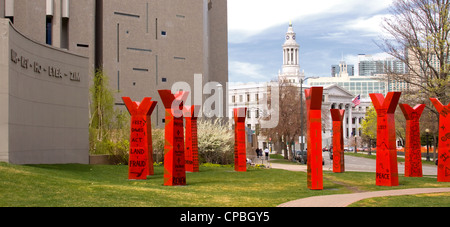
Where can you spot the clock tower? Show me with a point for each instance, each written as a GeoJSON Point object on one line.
{"type": "Point", "coordinates": [291, 65]}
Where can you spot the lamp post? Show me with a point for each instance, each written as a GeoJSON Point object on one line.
{"type": "Point", "coordinates": [427, 131]}
{"type": "Point", "coordinates": [301, 115]}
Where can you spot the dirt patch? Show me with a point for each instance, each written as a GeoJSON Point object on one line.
{"type": "Point", "coordinates": [352, 188]}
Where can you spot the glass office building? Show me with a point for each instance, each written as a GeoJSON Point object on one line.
{"type": "Point", "coordinates": [356, 85]}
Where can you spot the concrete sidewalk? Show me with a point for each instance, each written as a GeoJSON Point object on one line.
{"type": "Point", "coordinates": [345, 200]}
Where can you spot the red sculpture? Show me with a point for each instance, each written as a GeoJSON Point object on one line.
{"type": "Point", "coordinates": [413, 152]}
{"type": "Point", "coordinates": [191, 146]}
{"type": "Point", "coordinates": [338, 140]}
{"type": "Point", "coordinates": [314, 137]}
{"type": "Point", "coordinates": [387, 169]}
{"type": "Point", "coordinates": [444, 141]}
{"type": "Point", "coordinates": [174, 158]}
{"type": "Point", "coordinates": [140, 163]}
{"type": "Point", "coordinates": [240, 150]}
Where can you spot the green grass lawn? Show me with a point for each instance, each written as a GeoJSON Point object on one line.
{"type": "Point", "coordinates": [422, 200]}
{"type": "Point", "coordinates": [213, 186]}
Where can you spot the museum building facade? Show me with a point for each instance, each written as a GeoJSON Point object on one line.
{"type": "Point", "coordinates": [142, 46]}
{"type": "Point", "coordinates": [44, 96]}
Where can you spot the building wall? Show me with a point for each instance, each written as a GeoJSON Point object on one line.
{"type": "Point", "coordinates": [151, 45]}
{"type": "Point", "coordinates": [2, 8]}
{"type": "Point", "coordinates": [4, 90]}
{"type": "Point", "coordinates": [30, 18]}
{"type": "Point", "coordinates": [45, 96]}
{"type": "Point", "coordinates": [81, 30]}
{"type": "Point", "coordinates": [218, 45]}
{"type": "Point", "coordinates": [142, 45]}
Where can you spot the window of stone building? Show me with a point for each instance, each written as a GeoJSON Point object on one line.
{"type": "Point", "coordinates": [48, 31]}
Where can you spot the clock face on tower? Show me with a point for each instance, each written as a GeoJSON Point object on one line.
{"type": "Point", "coordinates": [293, 37]}
{"type": "Point", "coordinates": [287, 37]}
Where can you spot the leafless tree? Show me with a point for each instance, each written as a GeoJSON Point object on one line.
{"type": "Point", "coordinates": [291, 112]}
{"type": "Point", "coordinates": [417, 34]}
{"type": "Point", "coordinates": [419, 37]}
{"type": "Point", "coordinates": [289, 126]}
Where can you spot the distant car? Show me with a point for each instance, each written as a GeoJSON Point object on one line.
{"type": "Point", "coordinates": [331, 152]}
{"type": "Point", "coordinates": [302, 157]}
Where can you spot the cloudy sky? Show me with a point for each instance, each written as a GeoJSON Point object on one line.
{"type": "Point", "coordinates": [326, 31]}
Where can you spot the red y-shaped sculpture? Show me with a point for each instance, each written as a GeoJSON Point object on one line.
{"type": "Point", "coordinates": [338, 140]}
{"type": "Point", "coordinates": [174, 160]}
{"type": "Point", "coordinates": [413, 152]}
{"type": "Point", "coordinates": [387, 169]}
{"type": "Point", "coordinates": [191, 115]}
{"type": "Point", "coordinates": [444, 141]}
{"type": "Point", "coordinates": [240, 150]}
{"type": "Point", "coordinates": [140, 163]}
{"type": "Point", "coordinates": [314, 137]}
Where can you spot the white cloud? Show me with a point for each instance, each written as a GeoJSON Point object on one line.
{"type": "Point", "coordinates": [245, 71]}
{"type": "Point", "coordinates": [247, 18]}
{"type": "Point", "coordinates": [371, 26]}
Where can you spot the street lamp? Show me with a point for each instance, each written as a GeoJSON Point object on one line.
{"type": "Point", "coordinates": [427, 131]}
{"type": "Point", "coordinates": [301, 115]}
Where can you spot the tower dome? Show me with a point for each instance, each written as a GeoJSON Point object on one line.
{"type": "Point", "coordinates": [291, 64]}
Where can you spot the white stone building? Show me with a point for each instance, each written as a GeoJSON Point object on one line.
{"type": "Point", "coordinates": [255, 97]}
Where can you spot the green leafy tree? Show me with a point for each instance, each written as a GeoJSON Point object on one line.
{"type": "Point", "coordinates": [102, 105]}
{"type": "Point", "coordinates": [369, 127]}
{"type": "Point", "coordinates": [108, 128]}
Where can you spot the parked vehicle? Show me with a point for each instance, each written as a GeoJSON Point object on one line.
{"type": "Point", "coordinates": [302, 157]}
{"type": "Point", "coordinates": [331, 152]}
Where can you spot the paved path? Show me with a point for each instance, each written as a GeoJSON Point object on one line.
{"type": "Point", "coordinates": [347, 199]}
{"type": "Point", "coordinates": [355, 164]}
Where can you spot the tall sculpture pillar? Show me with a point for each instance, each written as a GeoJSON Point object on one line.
{"type": "Point", "coordinates": [314, 137]}
{"type": "Point", "coordinates": [191, 151]}
{"type": "Point", "coordinates": [240, 153]}
{"type": "Point", "coordinates": [140, 163]}
{"type": "Point", "coordinates": [387, 169]}
{"type": "Point", "coordinates": [174, 158]}
{"type": "Point", "coordinates": [338, 140]}
{"type": "Point", "coordinates": [413, 152]}
{"type": "Point", "coordinates": [444, 141]}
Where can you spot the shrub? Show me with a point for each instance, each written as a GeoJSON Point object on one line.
{"type": "Point", "coordinates": [158, 144]}
{"type": "Point", "coordinates": [215, 142]}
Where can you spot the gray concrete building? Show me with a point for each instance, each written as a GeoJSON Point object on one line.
{"type": "Point", "coordinates": [44, 97]}
{"type": "Point", "coordinates": [145, 46]}
{"type": "Point", "coordinates": [142, 45]}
